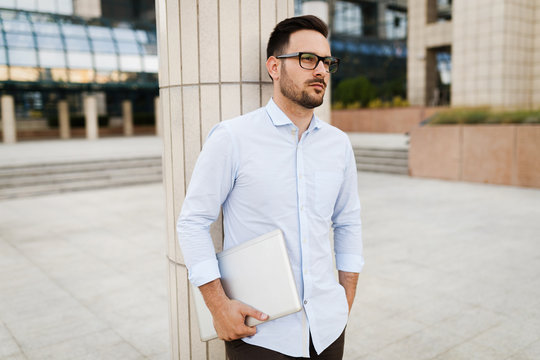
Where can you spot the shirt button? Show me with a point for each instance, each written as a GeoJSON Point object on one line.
{"type": "Point", "coordinates": [305, 302]}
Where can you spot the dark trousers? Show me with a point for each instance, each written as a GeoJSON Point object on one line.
{"type": "Point", "coordinates": [239, 350]}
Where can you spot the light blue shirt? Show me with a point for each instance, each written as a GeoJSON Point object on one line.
{"type": "Point", "coordinates": [255, 167]}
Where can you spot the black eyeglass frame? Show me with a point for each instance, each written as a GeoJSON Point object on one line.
{"type": "Point", "coordinates": [319, 59]}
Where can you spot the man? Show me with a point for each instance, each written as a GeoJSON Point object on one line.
{"type": "Point", "coordinates": [281, 167]}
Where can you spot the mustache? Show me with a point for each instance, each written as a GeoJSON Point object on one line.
{"type": "Point", "coordinates": [321, 81]}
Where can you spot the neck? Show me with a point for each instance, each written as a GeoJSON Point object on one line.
{"type": "Point", "coordinates": [299, 115]}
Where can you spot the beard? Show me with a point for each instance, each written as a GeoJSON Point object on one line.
{"type": "Point", "coordinates": [300, 97]}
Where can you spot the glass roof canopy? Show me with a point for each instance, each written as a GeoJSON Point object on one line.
{"type": "Point", "coordinates": [70, 51]}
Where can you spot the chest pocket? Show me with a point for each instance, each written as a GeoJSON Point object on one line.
{"type": "Point", "coordinates": [327, 185]}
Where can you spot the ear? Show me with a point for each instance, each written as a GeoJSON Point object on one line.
{"type": "Point", "coordinates": [273, 66]}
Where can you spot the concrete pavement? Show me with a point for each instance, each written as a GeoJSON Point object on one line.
{"type": "Point", "coordinates": [452, 272]}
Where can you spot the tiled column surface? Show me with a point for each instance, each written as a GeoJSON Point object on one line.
{"type": "Point", "coordinates": [212, 56]}
{"type": "Point", "coordinates": [63, 119]}
{"type": "Point", "coordinates": [417, 54]}
{"type": "Point", "coordinates": [127, 117]}
{"type": "Point", "coordinates": [536, 59]}
{"type": "Point", "coordinates": [320, 9]}
{"type": "Point", "coordinates": [91, 117]}
{"type": "Point", "coordinates": [493, 53]}
{"type": "Point", "coordinates": [158, 118]}
{"type": "Point", "coordinates": [9, 129]}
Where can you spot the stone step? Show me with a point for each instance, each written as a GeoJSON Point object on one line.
{"type": "Point", "coordinates": [71, 167]}
{"type": "Point", "coordinates": [81, 175]}
{"type": "Point", "coordinates": [384, 161]}
{"type": "Point", "coordinates": [389, 169]}
{"type": "Point", "coordinates": [386, 153]}
{"type": "Point", "coordinates": [52, 188]}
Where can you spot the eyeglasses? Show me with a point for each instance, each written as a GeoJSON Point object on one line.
{"type": "Point", "coordinates": [310, 61]}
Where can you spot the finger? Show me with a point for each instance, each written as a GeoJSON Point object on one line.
{"type": "Point", "coordinates": [259, 315]}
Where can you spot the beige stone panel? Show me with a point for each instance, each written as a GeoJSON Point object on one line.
{"type": "Point", "coordinates": [282, 10]}
{"type": "Point", "coordinates": [210, 108]}
{"type": "Point", "coordinates": [167, 168]}
{"type": "Point", "coordinates": [183, 318]}
{"type": "Point", "coordinates": [250, 41]}
{"type": "Point", "coordinates": [267, 90]}
{"type": "Point", "coordinates": [229, 27]}
{"type": "Point", "coordinates": [173, 42]}
{"type": "Point", "coordinates": [173, 310]}
{"type": "Point", "coordinates": [198, 347]}
{"type": "Point", "coordinates": [91, 117]}
{"type": "Point", "coordinates": [177, 176]}
{"type": "Point", "coordinates": [251, 97]}
{"type": "Point", "coordinates": [435, 152]}
{"type": "Point", "coordinates": [192, 128]}
{"type": "Point", "coordinates": [162, 42]}
{"type": "Point", "coordinates": [189, 44]}
{"type": "Point", "coordinates": [216, 350]}
{"type": "Point", "coordinates": [208, 41]}
{"type": "Point", "coordinates": [267, 23]}
{"type": "Point", "coordinates": [127, 117]}
{"type": "Point", "coordinates": [63, 119]}
{"type": "Point", "coordinates": [439, 34]}
{"type": "Point", "coordinates": [9, 124]}
{"type": "Point", "coordinates": [488, 153]}
{"type": "Point", "coordinates": [158, 117]}
{"type": "Point", "coordinates": [230, 101]}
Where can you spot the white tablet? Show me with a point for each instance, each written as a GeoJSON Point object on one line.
{"type": "Point", "coordinates": [258, 273]}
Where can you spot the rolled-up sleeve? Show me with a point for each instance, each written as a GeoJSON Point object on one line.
{"type": "Point", "coordinates": [211, 182]}
{"type": "Point", "coordinates": [346, 220]}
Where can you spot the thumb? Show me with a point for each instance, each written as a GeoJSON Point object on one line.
{"type": "Point", "coordinates": [249, 311]}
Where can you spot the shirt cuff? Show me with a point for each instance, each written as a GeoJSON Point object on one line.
{"type": "Point", "coordinates": [349, 263]}
{"type": "Point", "coordinates": [204, 272]}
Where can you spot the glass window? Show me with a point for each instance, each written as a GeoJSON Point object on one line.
{"type": "Point", "coordinates": [3, 60]}
{"type": "Point", "coordinates": [124, 34]}
{"type": "Point", "coordinates": [10, 4]}
{"type": "Point", "coordinates": [20, 40]}
{"type": "Point", "coordinates": [79, 60]}
{"type": "Point", "coordinates": [106, 62]}
{"type": "Point", "coordinates": [22, 57]}
{"type": "Point", "coordinates": [141, 36]}
{"type": "Point", "coordinates": [49, 42]}
{"type": "Point", "coordinates": [27, 5]}
{"type": "Point", "coordinates": [51, 59]}
{"type": "Point", "coordinates": [65, 7]}
{"type": "Point", "coordinates": [348, 18]}
{"type": "Point", "coordinates": [77, 44]}
{"type": "Point", "coordinates": [99, 32]}
{"type": "Point", "coordinates": [128, 48]}
{"type": "Point", "coordinates": [48, 6]}
{"type": "Point", "coordinates": [73, 30]}
{"type": "Point", "coordinates": [149, 49]}
{"type": "Point", "coordinates": [151, 64]}
{"type": "Point", "coordinates": [130, 63]}
{"type": "Point", "coordinates": [103, 46]}
{"type": "Point", "coordinates": [17, 26]}
{"type": "Point", "coordinates": [46, 28]}
{"type": "Point", "coordinates": [1, 39]}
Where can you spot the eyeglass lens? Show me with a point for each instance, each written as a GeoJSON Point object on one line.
{"type": "Point", "coordinates": [310, 62]}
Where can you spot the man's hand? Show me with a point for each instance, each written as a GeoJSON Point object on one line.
{"type": "Point", "coordinates": [348, 280]}
{"type": "Point", "coordinates": [229, 315]}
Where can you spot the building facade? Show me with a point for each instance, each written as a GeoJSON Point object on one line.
{"type": "Point", "coordinates": [492, 50]}
{"type": "Point", "coordinates": [65, 50]}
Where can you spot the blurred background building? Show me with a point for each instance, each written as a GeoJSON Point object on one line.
{"type": "Point", "coordinates": [52, 50]}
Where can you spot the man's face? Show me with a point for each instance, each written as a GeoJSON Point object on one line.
{"type": "Point", "coordinates": [304, 87]}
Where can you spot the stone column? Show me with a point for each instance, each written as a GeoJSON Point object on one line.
{"type": "Point", "coordinates": [63, 119]}
{"type": "Point", "coordinates": [320, 9]}
{"type": "Point", "coordinates": [91, 117]}
{"type": "Point", "coordinates": [9, 127]}
{"type": "Point", "coordinates": [212, 55]}
{"type": "Point", "coordinates": [158, 118]}
{"type": "Point", "coordinates": [127, 117]}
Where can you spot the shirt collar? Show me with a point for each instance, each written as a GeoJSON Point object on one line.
{"type": "Point", "coordinates": [279, 118]}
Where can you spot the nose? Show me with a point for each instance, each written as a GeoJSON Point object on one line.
{"type": "Point", "coordinates": [319, 70]}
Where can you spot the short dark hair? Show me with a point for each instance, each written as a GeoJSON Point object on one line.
{"type": "Point", "coordinates": [279, 39]}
